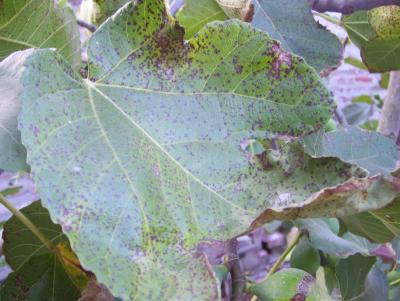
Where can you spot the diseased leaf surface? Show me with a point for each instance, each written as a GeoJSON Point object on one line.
{"type": "Point", "coordinates": [38, 273]}
{"type": "Point", "coordinates": [12, 152]}
{"type": "Point", "coordinates": [38, 24]}
{"type": "Point", "coordinates": [369, 150]}
{"type": "Point", "coordinates": [148, 156]}
{"type": "Point", "coordinates": [301, 35]}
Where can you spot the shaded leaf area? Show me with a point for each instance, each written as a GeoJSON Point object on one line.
{"type": "Point", "coordinates": [290, 284]}
{"type": "Point", "coordinates": [379, 225]}
{"type": "Point", "coordinates": [40, 274]}
{"type": "Point", "coordinates": [351, 274]}
{"type": "Point", "coordinates": [38, 24]}
{"type": "Point", "coordinates": [302, 35]}
{"type": "Point", "coordinates": [305, 257]}
{"type": "Point", "coordinates": [195, 14]}
{"type": "Point", "coordinates": [376, 286]}
{"type": "Point", "coordinates": [322, 237]}
{"type": "Point", "coordinates": [377, 34]}
{"type": "Point", "coordinates": [12, 152]}
{"type": "Point", "coordinates": [369, 150]}
{"type": "Point", "coordinates": [145, 159]}
{"type": "Point", "coordinates": [106, 8]}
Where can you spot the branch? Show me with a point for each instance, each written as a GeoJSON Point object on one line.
{"type": "Point", "coordinates": [389, 125]}
{"type": "Point", "coordinates": [235, 269]}
{"type": "Point", "coordinates": [88, 26]}
{"type": "Point", "coordinates": [348, 6]}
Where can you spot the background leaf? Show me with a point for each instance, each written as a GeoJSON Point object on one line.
{"type": "Point", "coordinates": [288, 284]}
{"type": "Point", "coordinates": [376, 286]}
{"type": "Point", "coordinates": [352, 273]}
{"type": "Point", "coordinates": [323, 238]}
{"type": "Point", "coordinates": [376, 33]}
{"type": "Point", "coordinates": [380, 226]}
{"type": "Point", "coordinates": [358, 28]}
{"type": "Point", "coordinates": [38, 24]}
{"type": "Point", "coordinates": [106, 8]}
{"type": "Point", "coordinates": [196, 14]}
{"type": "Point", "coordinates": [369, 150]}
{"type": "Point", "coordinates": [305, 257]}
{"type": "Point", "coordinates": [12, 152]}
{"type": "Point", "coordinates": [39, 274]}
{"type": "Point", "coordinates": [292, 23]}
{"type": "Point", "coordinates": [382, 55]}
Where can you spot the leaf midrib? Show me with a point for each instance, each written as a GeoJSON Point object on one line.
{"type": "Point", "coordinates": [203, 93]}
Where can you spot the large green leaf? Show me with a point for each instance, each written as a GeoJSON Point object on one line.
{"type": "Point", "coordinates": [39, 274]}
{"type": "Point", "coordinates": [12, 152]}
{"type": "Point", "coordinates": [196, 14]}
{"type": "Point", "coordinates": [369, 150]}
{"type": "Point", "coordinates": [38, 24]}
{"type": "Point", "coordinates": [148, 156]}
{"type": "Point", "coordinates": [302, 35]}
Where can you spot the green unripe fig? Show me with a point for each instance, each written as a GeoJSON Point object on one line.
{"type": "Point", "coordinates": [385, 20]}
{"type": "Point", "coordinates": [305, 257]}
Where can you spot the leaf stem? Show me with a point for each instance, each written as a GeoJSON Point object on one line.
{"type": "Point", "coordinates": [23, 219]}
{"type": "Point", "coordinates": [282, 258]}
{"type": "Point", "coordinates": [329, 18]}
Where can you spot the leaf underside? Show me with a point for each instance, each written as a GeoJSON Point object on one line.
{"type": "Point", "coordinates": [144, 159]}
